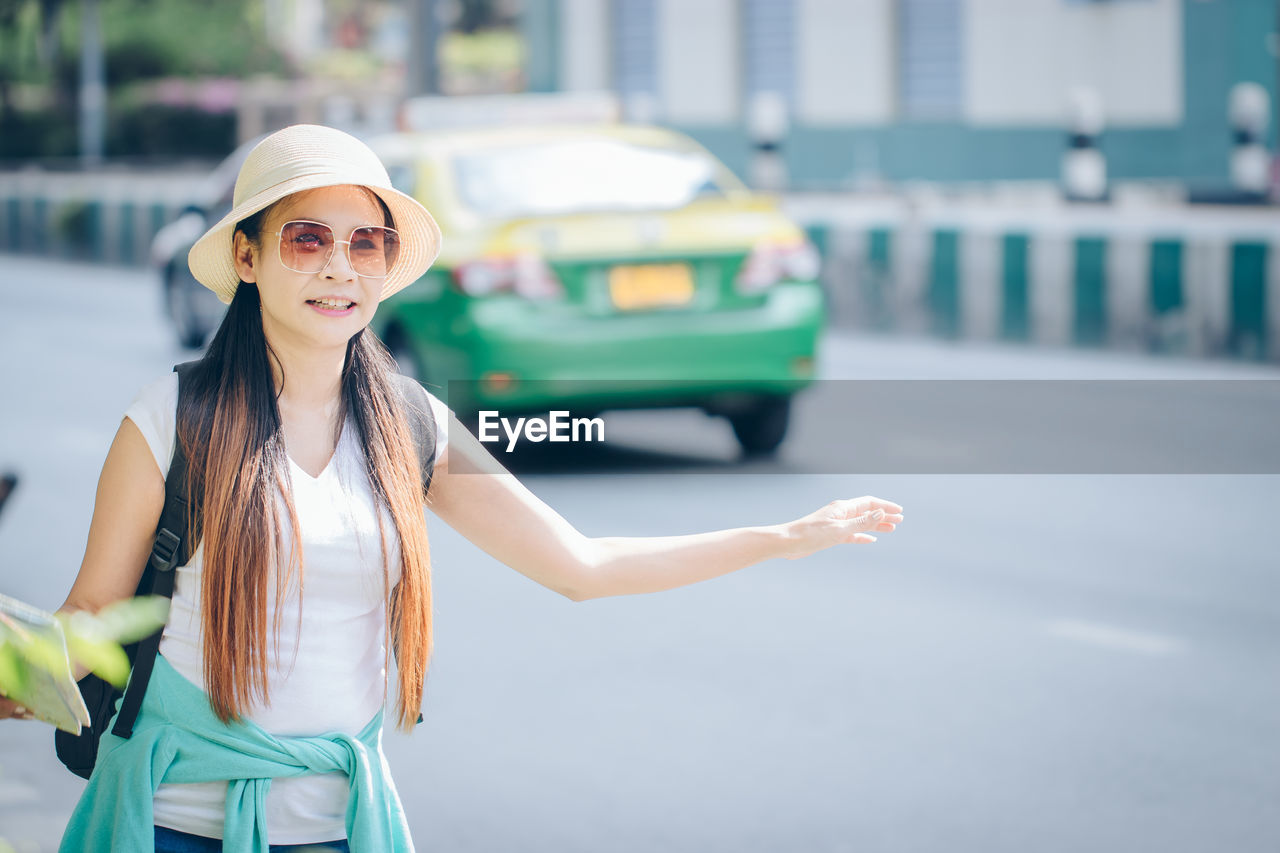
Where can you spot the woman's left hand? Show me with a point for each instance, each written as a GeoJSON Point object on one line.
{"type": "Point", "coordinates": [842, 521]}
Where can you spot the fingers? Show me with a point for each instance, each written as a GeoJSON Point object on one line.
{"type": "Point", "coordinates": [879, 515]}
{"type": "Point", "coordinates": [10, 708]}
{"type": "Point", "coordinates": [876, 514]}
{"type": "Point", "coordinates": [892, 511]}
{"type": "Point", "coordinates": [855, 518]}
{"type": "Point", "coordinates": [867, 521]}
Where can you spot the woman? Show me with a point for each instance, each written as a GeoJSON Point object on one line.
{"type": "Point", "coordinates": [262, 721]}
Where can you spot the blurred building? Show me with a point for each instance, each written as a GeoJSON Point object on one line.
{"type": "Point", "coordinates": [935, 90]}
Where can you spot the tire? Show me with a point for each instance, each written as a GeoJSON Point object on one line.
{"type": "Point", "coordinates": [761, 428]}
{"type": "Point", "coordinates": [179, 302]}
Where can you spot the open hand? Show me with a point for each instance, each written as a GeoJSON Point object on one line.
{"type": "Point", "coordinates": [842, 521]}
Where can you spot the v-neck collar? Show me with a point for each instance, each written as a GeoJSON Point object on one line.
{"type": "Point", "coordinates": [337, 448]}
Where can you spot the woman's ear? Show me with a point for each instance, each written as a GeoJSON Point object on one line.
{"type": "Point", "coordinates": [244, 255]}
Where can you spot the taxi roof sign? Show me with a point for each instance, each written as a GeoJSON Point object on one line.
{"type": "Point", "coordinates": [437, 112]}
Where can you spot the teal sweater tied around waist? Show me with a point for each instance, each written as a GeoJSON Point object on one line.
{"type": "Point", "coordinates": [178, 738]}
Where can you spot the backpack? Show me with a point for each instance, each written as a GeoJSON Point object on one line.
{"type": "Point", "coordinates": [171, 549]}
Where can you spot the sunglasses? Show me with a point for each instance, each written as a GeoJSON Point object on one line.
{"type": "Point", "coordinates": [307, 247]}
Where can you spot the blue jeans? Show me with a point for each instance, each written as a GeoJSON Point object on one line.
{"type": "Point", "coordinates": [173, 841]}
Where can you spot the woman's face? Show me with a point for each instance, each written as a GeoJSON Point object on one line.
{"type": "Point", "coordinates": [293, 303]}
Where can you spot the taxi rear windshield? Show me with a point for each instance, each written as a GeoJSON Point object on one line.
{"type": "Point", "coordinates": [582, 175]}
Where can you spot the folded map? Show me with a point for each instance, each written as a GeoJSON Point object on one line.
{"type": "Point", "coordinates": [47, 690]}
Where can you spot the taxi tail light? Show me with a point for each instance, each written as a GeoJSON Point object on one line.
{"type": "Point", "coordinates": [771, 262]}
{"type": "Point", "coordinates": [525, 275]}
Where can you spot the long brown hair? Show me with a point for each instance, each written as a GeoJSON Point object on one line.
{"type": "Point", "coordinates": [230, 430]}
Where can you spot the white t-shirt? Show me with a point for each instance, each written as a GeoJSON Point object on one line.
{"type": "Point", "coordinates": [326, 670]}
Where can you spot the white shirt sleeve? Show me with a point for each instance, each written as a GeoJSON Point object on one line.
{"type": "Point", "coordinates": [155, 413]}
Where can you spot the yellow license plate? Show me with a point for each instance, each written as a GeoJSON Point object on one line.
{"type": "Point", "coordinates": [651, 285]}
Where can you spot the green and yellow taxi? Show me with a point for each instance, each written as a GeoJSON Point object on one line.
{"type": "Point", "coordinates": [592, 267]}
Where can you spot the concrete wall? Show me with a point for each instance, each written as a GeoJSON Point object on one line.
{"type": "Point", "coordinates": [1023, 56]}
{"type": "Point", "coordinates": [584, 54]}
{"type": "Point", "coordinates": [698, 61]}
{"type": "Point", "coordinates": [845, 60]}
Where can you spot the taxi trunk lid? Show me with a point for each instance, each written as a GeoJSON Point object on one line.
{"type": "Point", "coordinates": [622, 262]}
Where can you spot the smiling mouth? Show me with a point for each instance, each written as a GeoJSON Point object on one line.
{"type": "Point", "coordinates": [332, 305]}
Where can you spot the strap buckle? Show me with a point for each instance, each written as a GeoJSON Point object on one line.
{"type": "Point", "coordinates": [165, 551]}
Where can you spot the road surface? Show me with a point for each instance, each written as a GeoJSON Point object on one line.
{"type": "Point", "coordinates": [1047, 663]}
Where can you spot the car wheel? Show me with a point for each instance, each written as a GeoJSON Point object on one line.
{"type": "Point", "coordinates": [182, 311]}
{"type": "Point", "coordinates": [761, 428]}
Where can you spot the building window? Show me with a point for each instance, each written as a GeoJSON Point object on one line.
{"type": "Point", "coordinates": [930, 64]}
{"type": "Point", "coordinates": [768, 44]}
{"type": "Point", "coordinates": [635, 55]}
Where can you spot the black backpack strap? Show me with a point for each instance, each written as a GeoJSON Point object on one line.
{"type": "Point", "coordinates": [422, 423]}
{"type": "Point", "coordinates": [169, 551]}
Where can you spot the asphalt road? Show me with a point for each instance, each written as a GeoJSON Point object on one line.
{"type": "Point", "coordinates": [1030, 663]}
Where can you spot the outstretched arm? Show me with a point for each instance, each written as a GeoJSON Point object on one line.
{"type": "Point", "coordinates": [495, 511]}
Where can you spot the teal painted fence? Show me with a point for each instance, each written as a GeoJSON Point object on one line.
{"type": "Point", "coordinates": [1015, 321]}
{"type": "Point", "coordinates": [1176, 279]}
{"type": "Point", "coordinates": [111, 218]}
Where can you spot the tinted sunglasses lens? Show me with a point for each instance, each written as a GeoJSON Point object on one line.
{"type": "Point", "coordinates": [374, 250]}
{"type": "Point", "coordinates": [305, 246]}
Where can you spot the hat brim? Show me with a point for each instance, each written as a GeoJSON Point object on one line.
{"type": "Point", "coordinates": [211, 258]}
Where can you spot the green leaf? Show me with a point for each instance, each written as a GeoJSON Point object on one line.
{"type": "Point", "coordinates": [104, 657]}
{"type": "Point", "coordinates": [94, 639]}
{"type": "Point", "coordinates": [13, 670]}
{"type": "Point", "coordinates": [123, 622]}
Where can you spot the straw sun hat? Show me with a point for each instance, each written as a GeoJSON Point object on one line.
{"type": "Point", "coordinates": [304, 157]}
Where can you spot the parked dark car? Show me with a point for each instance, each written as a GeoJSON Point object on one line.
{"type": "Point", "coordinates": [194, 309]}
